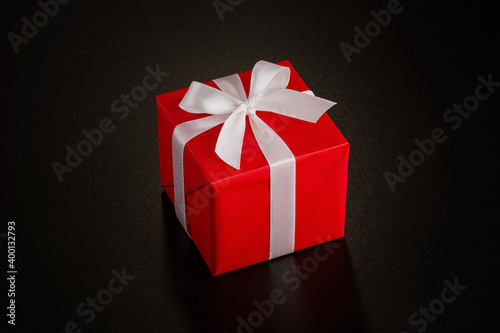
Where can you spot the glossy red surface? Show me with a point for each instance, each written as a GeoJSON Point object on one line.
{"type": "Point", "coordinates": [228, 209]}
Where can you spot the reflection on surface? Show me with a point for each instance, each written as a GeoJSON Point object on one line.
{"type": "Point", "coordinates": [312, 290]}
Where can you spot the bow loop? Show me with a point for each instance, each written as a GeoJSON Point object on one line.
{"type": "Point", "coordinates": [201, 98]}
{"type": "Point", "coordinates": [268, 76]}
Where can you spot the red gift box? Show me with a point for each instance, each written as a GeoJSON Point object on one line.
{"type": "Point", "coordinates": [228, 210]}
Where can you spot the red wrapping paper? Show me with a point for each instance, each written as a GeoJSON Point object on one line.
{"type": "Point", "coordinates": [228, 209]}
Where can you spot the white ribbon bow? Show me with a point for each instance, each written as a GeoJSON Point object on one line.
{"type": "Point", "coordinates": [230, 106]}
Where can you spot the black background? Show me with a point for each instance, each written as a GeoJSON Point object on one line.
{"type": "Point", "coordinates": [109, 213]}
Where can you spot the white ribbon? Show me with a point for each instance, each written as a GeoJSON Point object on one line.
{"type": "Point", "coordinates": [230, 106]}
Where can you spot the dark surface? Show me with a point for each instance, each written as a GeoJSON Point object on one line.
{"type": "Point", "coordinates": [109, 213]}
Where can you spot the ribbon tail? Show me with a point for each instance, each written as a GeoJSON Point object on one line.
{"type": "Point", "coordinates": [182, 134]}
{"type": "Point", "coordinates": [282, 187]}
{"type": "Point", "coordinates": [230, 139]}
{"type": "Point", "coordinates": [291, 103]}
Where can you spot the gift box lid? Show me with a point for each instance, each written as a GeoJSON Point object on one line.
{"type": "Point", "coordinates": [205, 166]}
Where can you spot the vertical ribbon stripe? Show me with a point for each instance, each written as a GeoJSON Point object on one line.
{"type": "Point", "coordinates": [182, 134]}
